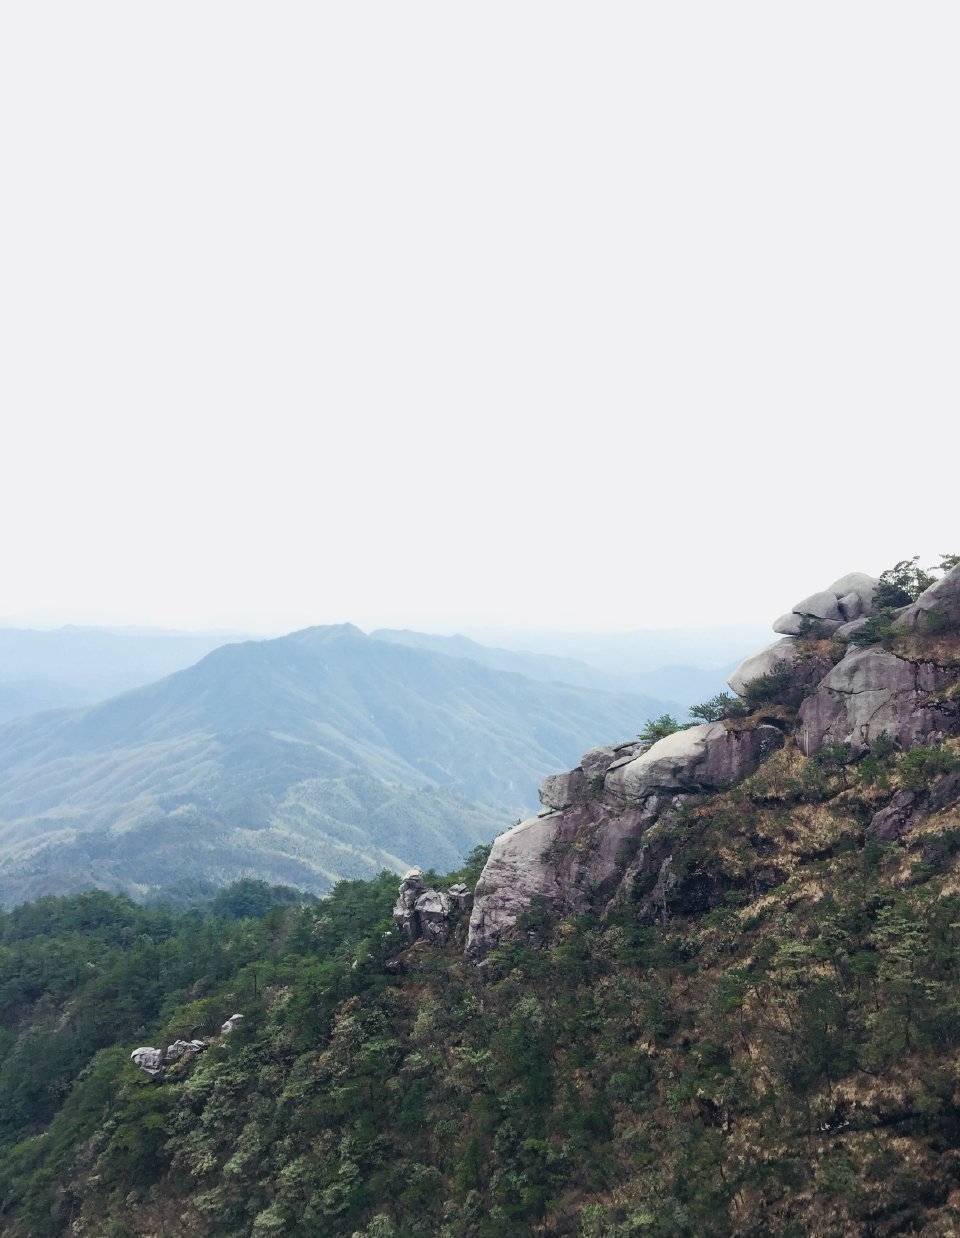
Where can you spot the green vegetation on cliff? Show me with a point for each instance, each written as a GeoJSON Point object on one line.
{"type": "Point", "coordinates": [765, 1043]}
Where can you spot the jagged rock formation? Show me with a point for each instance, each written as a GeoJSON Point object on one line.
{"type": "Point", "coordinates": [426, 913]}
{"type": "Point", "coordinates": [152, 1061]}
{"type": "Point", "coordinates": [817, 691]}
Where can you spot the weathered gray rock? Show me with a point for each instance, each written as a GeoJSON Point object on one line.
{"type": "Point", "coordinates": [789, 624]}
{"type": "Point", "coordinates": [851, 606]}
{"type": "Point", "coordinates": [561, 790]}
{"type": "Point", "coordinates": [433, 912]}
{"type": "Point", "coordinates": [846, 630]}
{"type": "Point", "coordinates": [898, 818]}
{"type": "Point", "coordinates": [461, 897]}
{"type": "Point", "coordinates": [861, 584]}
{"type": "Point", "coordinates": [412, 886]}
{"type": "Point", "coordinates": [149, 1060]}
{"type": "Point", "coordinates": [566, 857]}
{"type": "Point", "coordinates": [938, 605]}
{"type": "Point", "coordinates": [871, 691]}
{"type": "Point", "coordinates": [230, 1024]}
{"type": "Point", "coordinates": [597, 761]}
{"type": "Point", "coordinates": [763, 663]}
{"type": "Point", "coordinates": [183, 1048]}
{"type": "Point", "coordinates": [707, 756]}
{"type": "Point", "coordinates": [846, 599]}
{"type": "Point", "coordinates": [821, 605]}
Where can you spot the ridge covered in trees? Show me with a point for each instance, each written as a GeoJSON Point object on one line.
{"type": "Point", "coordinates": [759, 1037]}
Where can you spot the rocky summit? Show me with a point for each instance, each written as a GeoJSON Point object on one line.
{"type": "Point", "coordinates": [821, 686]}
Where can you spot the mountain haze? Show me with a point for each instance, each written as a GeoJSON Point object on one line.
{"type": "Point", "coordinates": [321, 754]}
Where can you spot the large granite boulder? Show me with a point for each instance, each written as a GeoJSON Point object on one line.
{"type": "Point", "coordinates": [425, 914]}
{"type": "Point", "coordinates": [846, 599]}
{"type": "Point", "coordinates": [780, 653]}
{"type": "Point", "coordinates": [567, 857]}
{"type": "Point", "coordinates": [871, 691]}
{"type": "Point", "coordinates": [703, 757]}
{"type": "Point", "coordinates": [561, 790]}
{"type": "Point", "coordinates": [936, 608]}
{"type": "Point", "coordinates": [150, 1061]}
{"type": "Point", "coordinates": [433, 913]}
{"type": "Point", "coordinates": [405, 908]}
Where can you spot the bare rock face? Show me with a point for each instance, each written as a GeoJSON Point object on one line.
{"type": "Point", "coordinates": [781, 652]}
{"type": "Point", "coordinates": [700, 758]}
{"type": "Point", "coordinates": [405, 908]}
{"type": "Point", "coordinates": [899, 817]}
{"type": "Point", "coordinates": [561, 790]}
{"type": "Point", "coordinates": [871, 691]}
{"type": "Point", "coordinates": [938, 605]}
{"type": "Point", "coordinates": [428, 914]}
{"type": "Point", "coordinates": [433, 911]}
{"type": "Point", "coordinates": [848, 598]}
{"type": "Point", "coordinates": [152, 1061]}
{"type": "Point", "coordinates": [149, 1060]}
{"type": "Point", "coordinates": [564, 857]}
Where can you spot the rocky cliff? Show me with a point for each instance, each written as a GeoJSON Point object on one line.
{"type": "Point", "coordinates": [844, 679]}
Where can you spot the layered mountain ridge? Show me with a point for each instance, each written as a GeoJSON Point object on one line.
{"type": "Point", "coordinates": [315, 756]}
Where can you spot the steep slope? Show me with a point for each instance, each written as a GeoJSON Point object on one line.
{"type": "Point", "coordinates": [854, 678]}
{"type": "Point", "coordinates": [733, 1011]}
{"type": "Point", "coordinates": [322, 754]}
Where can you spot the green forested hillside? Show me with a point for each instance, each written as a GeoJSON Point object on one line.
{"type": "Point", "coordinates": [768, 1045]}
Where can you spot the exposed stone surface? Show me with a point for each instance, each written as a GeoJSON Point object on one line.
{"type": "Point", "coordinates": [899, 817]}
{"type": "Point", "coordinates": [597, 761]}
{"type": "Point", "coordinates": [231, 1023]}
{"type": "Point", "coordinates": [821, 605]}
{"type": "Point", "coordinates": [861, 584]}
{"type": "Point", "coordinates": [707, 756]}
{"type": "Point", "coordinates": [429, 914]}
{"type": "Point", "coordinates": [940, 603]}
{"type": "Point", "coordinates": [405, 909]}
{"type": "Point", "coordinates": [845, 600]}
{"type": "Point", "coordinates": [789, 624]}
{"type": "Point", "coordinates": [763, 663]}
{"type": "Point", "coordinates": [152, 1061]}
{"type": "Point", "coordinates": [461, 897]}
{"type": "Point", "coordinates": [871, 691]}
{"type": "Point", "coordinates": [149, 1060]}
{"type": "Point", "coordinates": [566, 857]}
{"type": "Point", "coordinates": [561, 790]}
{"type": "Point", "coordinates": [610, 825]}
{"type": "Point", "coordinates": [183, 1048]}
{"type": "Point", "coordinates": [433, 911]}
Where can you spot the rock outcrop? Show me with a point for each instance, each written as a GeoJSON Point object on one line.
{"type": "Point", "coordinates": [153, 1061]}
{"type": "Point", "coordinates": [700, 758]}
{"type": "Point", "coordinates": [871, 692]}
{"type": "Point", "coordinates": [817, 691]}
{"type": "Point", "coordinates": [851, 597]}
{"type": "Point", "coordinates": [428, 914]}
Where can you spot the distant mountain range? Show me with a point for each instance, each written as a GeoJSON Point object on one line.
{"type": "Point", "coordinates": [79, 665]}
{"type": "Point", "coordinates": [679, 686]}
{"type": "Point", "coordinates": [321, 754]}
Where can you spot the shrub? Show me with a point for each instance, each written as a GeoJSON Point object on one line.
{"type": "Point", "coordinates": [721, 706]}
{"type": "Point", "coordinates": [902, 584]}
{"type": "Point", "coordinates": [921, 766]}
{"type": "Point", "coordinates": [775, 688]}
{"type": "Point", "coordinates": [659, 728]}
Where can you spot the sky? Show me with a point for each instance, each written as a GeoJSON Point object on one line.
{"type": "Point", "coordinates": [595, 316]}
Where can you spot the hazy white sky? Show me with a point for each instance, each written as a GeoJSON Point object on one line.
{"type": "Point", "coordinates": [596, 315]}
